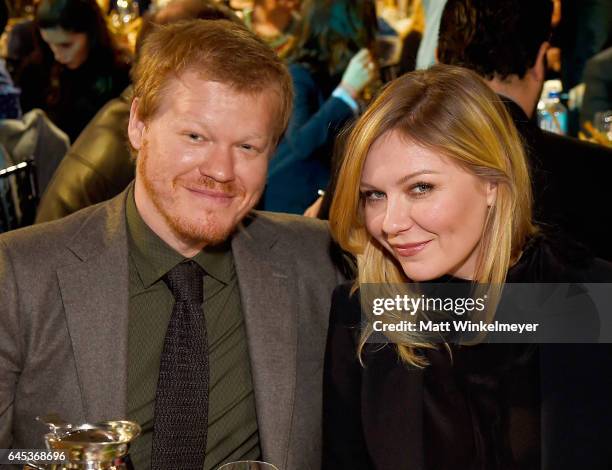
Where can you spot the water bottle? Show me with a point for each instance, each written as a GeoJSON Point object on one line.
{"type": "Point", "coordinates": [552, 115]}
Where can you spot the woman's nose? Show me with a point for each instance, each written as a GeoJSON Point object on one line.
{"type": "Point", "coordinates": [398, 216]}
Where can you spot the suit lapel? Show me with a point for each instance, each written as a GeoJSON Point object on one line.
{"type": "Point", "coordinates": [268, 294]}
{"type": "Point", "coordinates": [95, 296]}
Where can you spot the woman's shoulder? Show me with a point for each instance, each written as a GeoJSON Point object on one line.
{"type": "Point", "coordinates": [599, 270]}
{"type": "Point", "coordinates": [554, 257]}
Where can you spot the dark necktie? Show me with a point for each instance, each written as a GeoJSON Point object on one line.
{"type": "Point", "coordinates": [181, 400]}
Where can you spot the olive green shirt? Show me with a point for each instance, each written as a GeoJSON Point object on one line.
{"type": "Point", "coordinates": [232, 422]}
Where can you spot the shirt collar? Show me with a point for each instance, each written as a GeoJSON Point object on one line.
{"type": "Point", "coordinates": [153, 257]}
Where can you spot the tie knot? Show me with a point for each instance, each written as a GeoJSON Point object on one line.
{"type": "Point", "coordinates": [185, 282]}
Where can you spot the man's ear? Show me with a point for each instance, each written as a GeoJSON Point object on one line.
{"type": "Point", "coordinates": [136, 127]}
{"type": "Point", "coordinates": [538, 71]}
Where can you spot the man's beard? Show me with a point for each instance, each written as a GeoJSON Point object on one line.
{"type": "Point", "coordinates": [206, 229]}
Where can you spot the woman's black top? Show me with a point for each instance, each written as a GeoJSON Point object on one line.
{"type": "Point", "coordinates": [482, 409]}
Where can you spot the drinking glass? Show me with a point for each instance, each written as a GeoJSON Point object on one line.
{"type": "Point", "coordinates": [248, 465]}
{"type": "Point", "coordinates": [603, 123]}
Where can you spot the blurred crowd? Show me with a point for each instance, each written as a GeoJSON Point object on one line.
{"type": "Point", "coordinates": [70, 59]}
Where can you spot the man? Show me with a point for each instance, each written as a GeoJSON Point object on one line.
{"type": "Point", "coordinates": [98, 165]}
{"type": "Point", "coordinates": [598, 81]}
{"type": "Point", "coordinates": [97, 308]}
{"type": "Point", "coordinates": [505, 41]}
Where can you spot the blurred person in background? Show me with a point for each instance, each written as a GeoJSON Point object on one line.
{"type": "Point", "coordinates": [331, 65]}
{"type": "Point", "coordinates": [77, 69]}
{"type": "Point", "coordinates": [9, 95]}
{"type": "Point", "coordinates": [99, 166]}
{"type": "Point", "coordinates": [426, 55]}
{"type": "Point", "coordinates": [22, 40]}
{"type": "Point", "coordinates": [584, 28]}
{"type": "Point", "coordinates": [598, 86]}
{"type": "Point", "coordinates": [29, 137]}
{"type": "Point", "coordinates": [276, 22]}
{"type": "Point", "coordinates": [505, 42]}
{"type": "Point", "coordinates": [177, 10]}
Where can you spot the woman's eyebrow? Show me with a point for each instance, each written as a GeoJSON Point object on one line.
{"type": "Point", "coordinates": [406, 178]}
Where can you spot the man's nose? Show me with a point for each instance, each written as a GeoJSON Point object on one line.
{"type": "Point", "coordinates": [218, 164]}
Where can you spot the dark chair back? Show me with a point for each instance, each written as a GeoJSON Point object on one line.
{"type": "Point", "coordinates": [18, 195]}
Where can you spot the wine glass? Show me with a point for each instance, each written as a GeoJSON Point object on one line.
{"type": "Point", "coordinates": [248, 465]}
{"type": "Point", "coordinates": [603, 123]}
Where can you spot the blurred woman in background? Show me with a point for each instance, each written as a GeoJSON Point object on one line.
{"type": "Point", "coordinates": [434, 188]}
{"type": "Point", "coordinates": [330, 65]}
{"type": "Point", "coordinates": [76, 69]}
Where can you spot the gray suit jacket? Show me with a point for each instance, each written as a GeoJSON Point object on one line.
{"type": "Point", "coordinates": [63, 325]}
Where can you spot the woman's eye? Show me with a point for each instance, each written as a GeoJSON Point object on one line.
{"type": "Point", "coordinates": [372, 196]}
{"type": "Point", "coordinates": [420, 189]}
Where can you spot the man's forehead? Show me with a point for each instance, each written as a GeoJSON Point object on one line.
{"type": "Point", "coordinates": [197, 77]}
{"type": "Point", "coordinates": [192, 87]}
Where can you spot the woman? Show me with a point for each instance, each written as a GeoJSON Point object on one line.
{"type": "Point", "coordinates": [434, 188]}
{"type": "Point", "coordinates": [76, 69]}
{"type": "Point", "coordinates": [330, 67]}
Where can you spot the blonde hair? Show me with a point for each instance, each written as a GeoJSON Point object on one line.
{"type": "Point", "coordinates": [219, 50]}
{"type": "Point", "coordinates": [452, 111]}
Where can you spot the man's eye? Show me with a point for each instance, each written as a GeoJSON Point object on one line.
{"type": "Point", "coordinates": [195, 137]}
{"type": "Point", "coordinates": [372, 196]}
{"type": "Point", "coordinates": [247, 147]}
{"type": "Point", "coordinates": [420, 189]}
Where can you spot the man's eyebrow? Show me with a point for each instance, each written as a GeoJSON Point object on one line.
{"type": "Point", "coordinates": [191, 119]}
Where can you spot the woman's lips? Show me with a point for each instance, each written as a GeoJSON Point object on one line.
{"type": "Point", "coordinates": [409, 249]}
